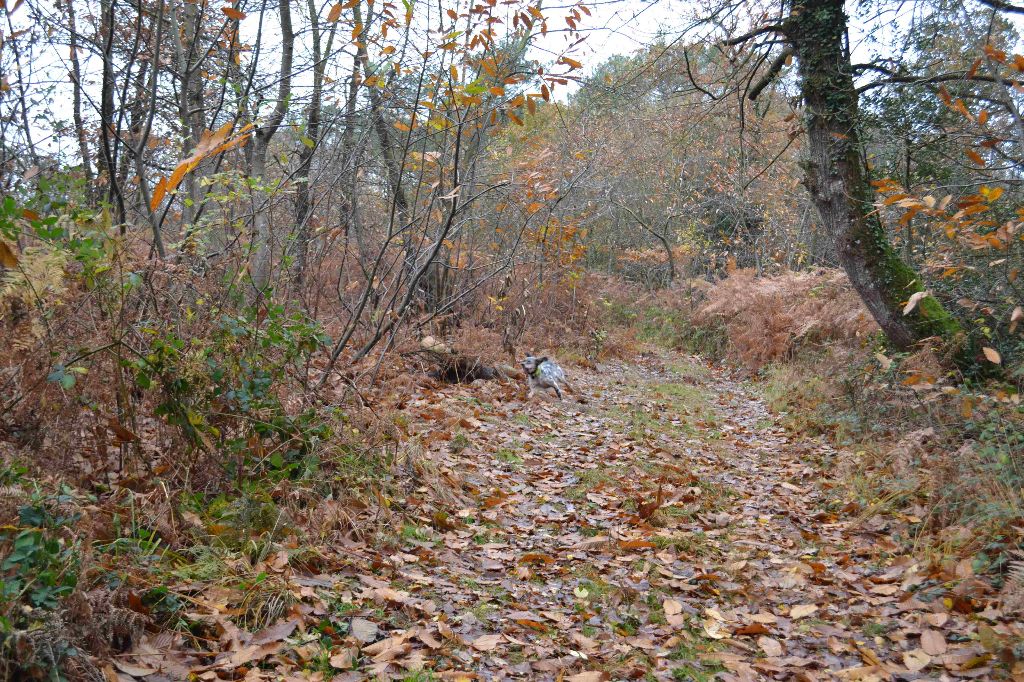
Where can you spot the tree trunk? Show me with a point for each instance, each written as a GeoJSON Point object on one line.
{"type": "Point", "coordinates": [76, 82]}
{"type": "Point", "coordinates": [303, 203]}
{"type": "Point", "coordinates": [837, 178]}
{"type": "Point", "coordinates": [348, 207]}
{"type": "Point", "coordinates": [262, 259]}
{"type": "Point", "coordinates": [108, 136]}
{"type": "Point", "coordinates": [186, 30]}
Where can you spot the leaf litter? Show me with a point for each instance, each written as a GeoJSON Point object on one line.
{"type": "Point", "coordinates": [667, 530]}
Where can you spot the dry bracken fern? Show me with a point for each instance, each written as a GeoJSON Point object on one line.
{"type": "Point", "coordinates": [1013, 589]}
{"type": "Point", "coordinates": [35, 285]}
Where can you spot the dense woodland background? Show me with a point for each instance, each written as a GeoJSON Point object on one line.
{"type": "Point", "coordinates": [235, 236]}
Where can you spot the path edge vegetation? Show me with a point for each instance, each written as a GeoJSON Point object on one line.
{"type": "Point", "coordinates": [190, 380]}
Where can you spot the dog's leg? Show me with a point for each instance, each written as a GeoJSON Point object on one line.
{"type": "Point", "coordinates": [558, 391]}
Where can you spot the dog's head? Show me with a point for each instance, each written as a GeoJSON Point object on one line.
{"type": "Point", "coordinates": [531, 363]}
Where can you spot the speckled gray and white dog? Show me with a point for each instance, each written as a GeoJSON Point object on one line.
{"type": "Point", "coordinates": [544, 373]}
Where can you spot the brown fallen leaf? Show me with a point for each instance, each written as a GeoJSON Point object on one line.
{"type": "Point", "coordinates": [932, 642]}
{"type": "Point", "coordinates": [445, 630]}
{"type": "Point", "coordinates": [247, 654]}
{"type": "Point", "coordinates": [589, 676]}
{"type": "Point", "coordinates": [343, 658]}
{"type": "Point", "coordinates": [390, 648]}
{"type": "Point", "coordinates": [391, 595]}
{"type": "Point", "coordinates": [276, 632]}
{"type": "Point", "coordinates": [764, 617]}
{"type": "Point", "coordinates": [916, 659]}
{"type": "Point", "coordinates": [802, 611]}
{"type": "Point", "coordinates": [486, 642]}
{"type": "Point", "coordinates": [715, 629]}
{"type": "Point", "coordinates": [123, 434]}
{"type": "Point", "coordinates": [771, 647]}
{"type": "Point", "coordinates": [363, 630]}
{"type": "Point", "coordinates": [134, 669]}
{"type": "Point", "coordinates": [532, 624]}
{"type": "Point", "coordinates": [586, 644]}
{"type": "Point", "coordinates": [429, 639]}
{"type": "Point", "coordinates": [752, 629]}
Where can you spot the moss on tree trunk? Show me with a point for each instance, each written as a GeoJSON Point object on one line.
{"type": "Point", "coordinates": [837, 178]}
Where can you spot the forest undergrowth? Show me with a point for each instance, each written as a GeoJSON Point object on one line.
{"type": "Point", "coordinates": [246, 527]}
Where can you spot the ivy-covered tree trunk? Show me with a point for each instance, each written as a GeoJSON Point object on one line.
{"type": "Point", "coordinates": [838, 179]}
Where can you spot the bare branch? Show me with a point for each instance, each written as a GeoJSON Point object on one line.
{"type": "Point", "coordinates": [769, 76]}
{"type": "Point", "coordinates": [772, 28]}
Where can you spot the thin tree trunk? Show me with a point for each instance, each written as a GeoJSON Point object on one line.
{"type": "Point", "coordinates": [76, 81]}
{"type": "Point", "coordinates": [392, 165]}
{"type": "Point", "coordinates": [839, 184]}
{"type": "Point", "coordinates": [349, 208]}
{"type": "Point", "coordinates": [108, 137]}
{"type": "Point", "coordinates": [185, 30]}
{"type": "Point", "coordinates": [303, 205]}
{"type": "Point", "coordinates": [261, 264]}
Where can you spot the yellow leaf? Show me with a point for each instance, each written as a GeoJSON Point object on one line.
{"type": "Point", "coordinates": [992, 355]}
{"type": "Point", "coordinates": [991, 193]}
{"type": "Point", "coordinates": [497, 92]}
{"type": "Point", "coordinates": [335, 13]}
{"type": "Point", "coordinates": [7, 257]}
{"type": "Point", "coordinates": [233, 13]}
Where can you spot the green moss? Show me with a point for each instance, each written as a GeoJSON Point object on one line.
{"type": "Point", "coordinates": [899, 282]}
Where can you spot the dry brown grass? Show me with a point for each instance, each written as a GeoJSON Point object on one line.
{"type": "Point", "coordinates": [769, 318]}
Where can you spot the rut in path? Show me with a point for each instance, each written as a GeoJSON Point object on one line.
{"type": "Point", "coordinates": [665, 529]}
{"type": "Point", "coordinates": [567, 559]}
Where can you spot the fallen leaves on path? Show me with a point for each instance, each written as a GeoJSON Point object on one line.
{"type": "Point", "coordinates": [668, 528]}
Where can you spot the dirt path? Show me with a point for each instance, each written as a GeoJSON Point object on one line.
{"type": "Point", "coordinates": [567, 560]}
{"type": "Point", "coordinates": [666, 529]}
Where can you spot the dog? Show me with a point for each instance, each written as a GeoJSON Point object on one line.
{"type": "Point", "coordinates": [545, 373]}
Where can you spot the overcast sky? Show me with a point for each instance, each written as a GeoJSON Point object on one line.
{"type": "Point", "coordinates": [614, 27]}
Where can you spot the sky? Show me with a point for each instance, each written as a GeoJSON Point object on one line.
{"type": "Point", "coordinates": [614, 27]}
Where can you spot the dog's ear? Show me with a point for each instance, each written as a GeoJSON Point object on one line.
{"type": "Point", "coordinates": [543, 359]}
